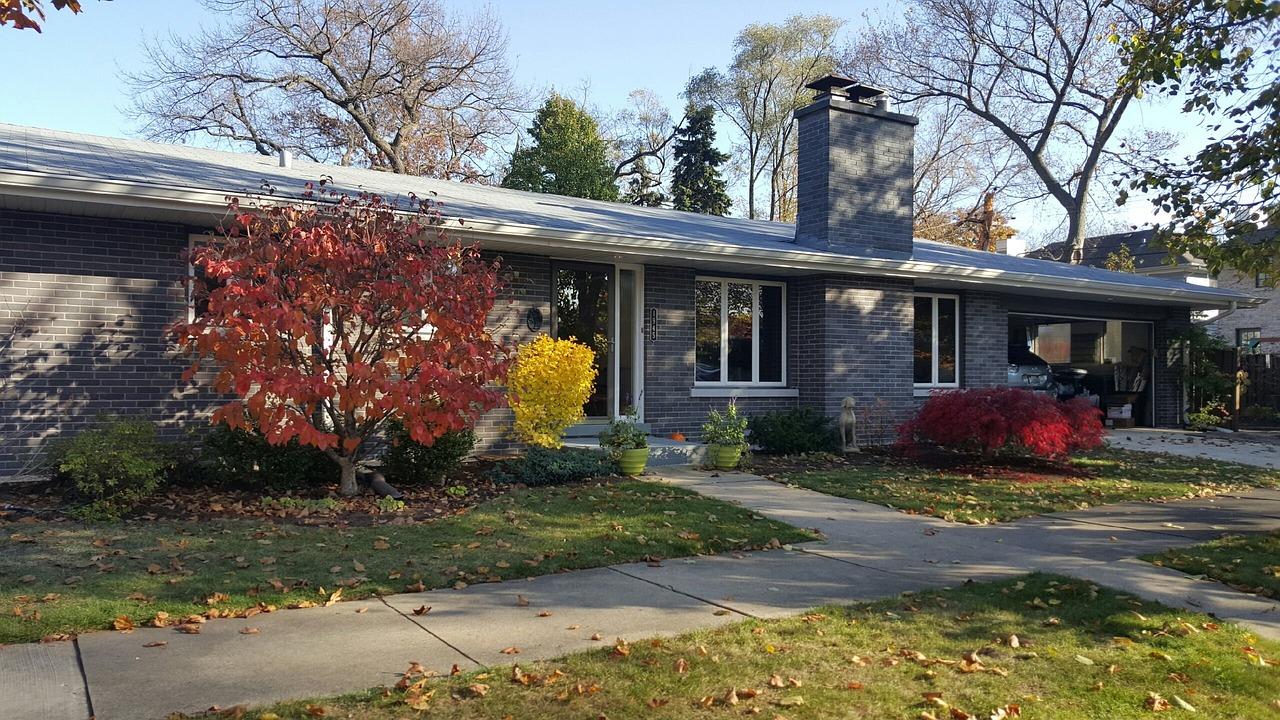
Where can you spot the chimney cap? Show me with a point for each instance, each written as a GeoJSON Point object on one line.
{"type": "Point", "coordinates": [841, 85]}
{"type": "Point", "coordinates": [829, 83]}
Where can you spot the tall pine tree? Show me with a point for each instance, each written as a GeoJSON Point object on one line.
{"type": "Point", "coordinates": [696, 184]}
{"type": "Point", "coordinates": [567, 157]}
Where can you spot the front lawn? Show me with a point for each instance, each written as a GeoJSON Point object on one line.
{"type": "Point", "coordinates": [984, 493]}
{"type": "Point", "coordinates": [1043, 647]}
{"type": "Point", "coordinates": [63, 577]}
{"type": "Point", "coordinates": [1250, 563]}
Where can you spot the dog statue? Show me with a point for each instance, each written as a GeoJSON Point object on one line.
{"type": "Point", "coordinates": [848, 425]}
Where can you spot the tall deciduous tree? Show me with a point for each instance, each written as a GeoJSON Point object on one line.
{"type": "Point", "coordinates": [696, 184]}
{"type": "Point", "coordinates": [568, 155]}
{"type": "Point", "coordinates": [1222, 58]}
{"type": "Point", "coordinates": [328, 320]}
{"type": "Point", "coordinates": [1039, 72]}
{"type": "Point", "coordinates": [641, 135]}
{"type": "Point", "coordinates": [758, 93]}
{"type": "Point", "coordinates": [396, 85]}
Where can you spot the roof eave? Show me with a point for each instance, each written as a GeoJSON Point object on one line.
{"type": "Point", "coordinates": [214, 204]}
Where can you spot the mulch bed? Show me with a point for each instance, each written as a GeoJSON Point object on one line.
{"type": "Point", "coordinates": [46, 501]}
{"type": "Point", "coordinates": [1017, 469]}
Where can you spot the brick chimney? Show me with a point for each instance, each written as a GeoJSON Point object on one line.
{"type": "Point", "coordinates": [855, 171]}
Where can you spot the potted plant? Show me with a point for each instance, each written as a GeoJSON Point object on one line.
{"type": "Point", "coordinates": [628, 444]}
{"type": "Point", "coordinates": [725, 434]}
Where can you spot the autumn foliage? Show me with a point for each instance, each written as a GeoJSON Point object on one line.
{"type": "Point", "coordinates": [329, 319]}
{"type": "Point", "coordinates": [549, 383]}
{"type": "Point", "coordinates": [996, 420]}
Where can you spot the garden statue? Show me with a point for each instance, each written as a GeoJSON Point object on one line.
{"type": "Point", "coordinates": [848, 425]}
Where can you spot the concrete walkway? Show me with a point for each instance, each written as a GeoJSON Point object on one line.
{"type": "Point", "coordinates": [869, 552]}
{"type": "Point", "coordinates": [1214, 445]}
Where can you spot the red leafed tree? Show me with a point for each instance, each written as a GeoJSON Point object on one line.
{"type": "Point", "coordinates": [327, 319]}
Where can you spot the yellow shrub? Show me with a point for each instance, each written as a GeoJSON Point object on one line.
{"type": "Point", "coordinates": [548, 385]}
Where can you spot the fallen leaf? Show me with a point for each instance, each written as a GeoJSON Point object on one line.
{"type": "Point", "coordinates": [1155, 703]}
{"type": "Point", "coordinates": [249, 631]}
{"type": "Point", "coordinates": [422, 610]}
{"type": "Point", "coordinates": [682, 666]}
{"type": "Point", "coordinates": [522, 601]}
{"type": "Point", "coordinates": [123, 623]}
{"type": "Point", "coordinates": [155, 644]}
{"type": "Point", "coordinates": [189, 629]}
{"type": "Point", "coordinates": [510, 650]}
{"type": "Point", "coordinates": [381, 544]}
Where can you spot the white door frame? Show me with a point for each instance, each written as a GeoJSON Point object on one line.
{"type": "Point", "coordinates": [637, 360]}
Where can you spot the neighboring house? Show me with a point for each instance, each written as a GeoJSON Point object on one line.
{"type": "Point", "coordinates": [695, 309]}
{"type": "Point", "coordinates": [1255, 326]}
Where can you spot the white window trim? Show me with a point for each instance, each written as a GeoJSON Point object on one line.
{"type": "Point", "coordinates": [934, 348]}
{"type": "Point", "coordinates": [755, 334]}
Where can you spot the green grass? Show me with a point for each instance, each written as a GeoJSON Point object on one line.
{"type": "Point", "coordinates": [65, 577]}
{"type": "Point", "coordinates": [997, 494]}
{"type": "Point", "coordinates": [1084, 653]}
{"type": "Point", "coordinates": [1246, 562]}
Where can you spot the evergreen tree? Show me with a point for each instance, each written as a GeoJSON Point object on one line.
{"type": "Point", "coordinates": [696, 183]}
{"type": "Point", "coordinates": [567, 157]}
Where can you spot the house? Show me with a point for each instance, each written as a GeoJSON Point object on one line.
{"type": "Point", "coordinates": [1255, 326]}
{"type": "Point", "coordinates": [692, 310]}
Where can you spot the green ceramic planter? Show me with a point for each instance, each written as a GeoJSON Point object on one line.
{"type": "Point", "coordinates": [632, 462]}
{"type": "Point", "coordinates": [725, 457]}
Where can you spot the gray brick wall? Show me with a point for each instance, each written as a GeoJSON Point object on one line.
{"type": "Point", "coordinates": [528, 286]}
{"type": "Point", "coordinates": [669, 360]}
{"type": "Point", "coordinates": [1170, 396]}
{"type": "Point", "coordinates": [856, 342]}
{"type": "Point", "coordinates": [85, 303]}
{"type": "Point", "coordinates": [854, 187]}
{"type": "Point", "coordinates": [984, 326]}
{"type": "Point", "coordinates": [1265, 317]}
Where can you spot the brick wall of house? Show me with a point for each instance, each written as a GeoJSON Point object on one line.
{"type": "Point", "coordinates": [669, 359]}
{"type": "Point", "coordinates": [1169, 373]}
{"type": "Point", "coordinates": [528, 286]}
{"type": "Point", "coordinates": [984, 354]}
{"type": "Point", "coordinates": [84, 303]}
{"type": "Point", "coordinates": [1265, 317]}
{"type": "Point", "coordinates": [857, 345]}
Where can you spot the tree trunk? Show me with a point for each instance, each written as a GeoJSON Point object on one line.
{"type": "Point", "coordinates": [1075, 230]}
{"type": "Point", "coordinates": [347, 487]}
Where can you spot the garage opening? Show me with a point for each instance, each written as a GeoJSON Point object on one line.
{"type": "Point", "coordinates": [1109, 362]}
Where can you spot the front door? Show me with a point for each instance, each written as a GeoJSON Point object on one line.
{"type": "Point", "coordinates": [599, 306]}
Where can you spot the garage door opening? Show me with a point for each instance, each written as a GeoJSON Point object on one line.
{"type": "Point", "coordinates": [1108, 362]}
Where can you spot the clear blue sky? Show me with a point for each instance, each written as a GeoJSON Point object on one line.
{"type": "Point", "coordinates": [68, 78]}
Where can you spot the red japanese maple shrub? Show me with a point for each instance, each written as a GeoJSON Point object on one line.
{"type": "Point", "coordinates": [989, 421]}
{"type": "Point", "coordinates": [329, 319]}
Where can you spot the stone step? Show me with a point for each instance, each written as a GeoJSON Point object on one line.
{"type": "Point", "coordinates": [663, 452]}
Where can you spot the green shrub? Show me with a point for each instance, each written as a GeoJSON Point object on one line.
{"type": "Point", "coordinates": [410, 462]}
{"type": "Point", "coordinates": [388, 504]}
{"type": "Point", "coordinates": [787, 432]}
{"type": "Point", "coordinates": [1260, 414]}
{"type": "Point", "coordinates": [623, 434]}
{"type": "Point", "coordinates": [1213, 414]}
{"type": "Point", "coordinates": [113, 467]}
{"type": "Point", "coordinates": [246, 459]}
{"type": "Point", "coordinates": [727, 428]}
{"type": "Point", "coordinates": [544, 466]}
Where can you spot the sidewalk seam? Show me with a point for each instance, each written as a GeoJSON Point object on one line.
{"type": "Point", "coordinates": [668, 588]}
{"type": "Point", "coordinates": [431, 632]}
{"type": "Point", "coordinates": [84, 678]}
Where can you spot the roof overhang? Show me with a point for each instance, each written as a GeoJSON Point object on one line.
{"type": "Point", "coordinates": [205, 208]}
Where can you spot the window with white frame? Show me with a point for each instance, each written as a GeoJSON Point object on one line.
{"type": "Point", "coordinates": [739, 332]}
{"type": "Point", "coordinates": [937, 341]}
